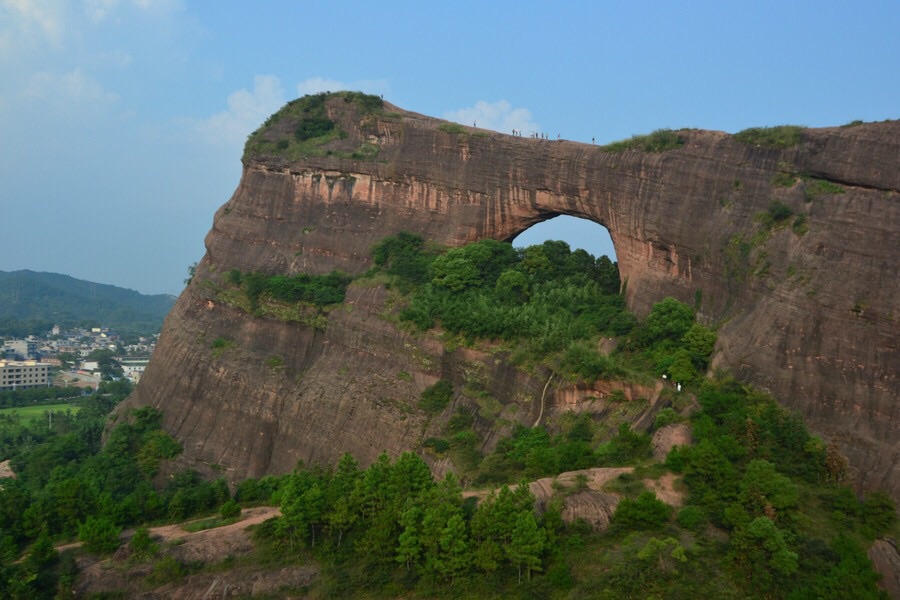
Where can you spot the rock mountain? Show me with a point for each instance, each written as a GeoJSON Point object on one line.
{"type": "Point", "coordinates": [786, 239]}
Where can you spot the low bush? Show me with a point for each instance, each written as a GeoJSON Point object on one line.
{"type": "Point", "coordinates": [784, 180]}
{"type": "Point", "coordinates": [691, 517]}
{"type": "Point", "coordinates": [800, 225]}
{"type": "Point", "coordinates": [452, 128]}
{"type": "Point", "coordinates": [666, 416]}
{"type": "Point", "coordinates": [776, 215]}
{"type": "Point", "coordinates": [814, 187]}
{"type": "Point", "coordinates": [438, 445]}
{"type": "Point", "coordinates": [166, 570]}
{"type": "Point", "coordinates": [644, 512]}
{"type": "Point", "coordinates": [435, 398]}
{"type": "Point", "coordinates": [141, 544]}
{"type": "Point", "coordinates": [99, 534]}
{"type": "Point", "coordinates": [312, 127]}
{"type": "Point", "coordinates": [660, 140]}
{"type": "Point", "coordinates": [230, 510]}
{"type": "Point", "coordinates": [782, 136]}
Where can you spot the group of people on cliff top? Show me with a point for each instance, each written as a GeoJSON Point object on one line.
{"type": "Point", "coordinates": [535, 135]}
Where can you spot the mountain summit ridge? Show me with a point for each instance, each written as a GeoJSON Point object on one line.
{"type": "Point", "coordinates": [27, 295]}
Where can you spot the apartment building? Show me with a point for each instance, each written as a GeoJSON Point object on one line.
{"type": "Point", "coordinates": [20, 375]}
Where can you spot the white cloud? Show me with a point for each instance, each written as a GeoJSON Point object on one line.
{"type": "Point", "coordinates": [160, 7]}
{"type": "Point", "coordinates": [72, 88]}
{"type": "Point", "coordinates": [98, 10]}
{"type": "Point", "coordinates": [116, 58]}
{"type": "Point", "coordinates": [314, 85]}
{"type": "Point", "coordinates": [499, 116]}
{"type": "Point", "coordinates": [28, 27]}
{"type": "Point", "coordinates": [30, 21]}
{"type": "Point", "coordinates": [246, 111]}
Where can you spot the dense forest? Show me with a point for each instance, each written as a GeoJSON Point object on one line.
{"type": "Point", "coordinates": [767, 509]}
{"type": "Point", "coordinates": [31, 303]}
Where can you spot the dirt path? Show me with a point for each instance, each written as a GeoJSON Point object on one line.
{"type": "Point", "coordinates": [249, 516]}
{"type": "Point", "coordinates": [169, 533]}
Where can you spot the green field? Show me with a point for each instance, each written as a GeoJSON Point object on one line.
{"type": "Point", "coordinates": [33, 412]}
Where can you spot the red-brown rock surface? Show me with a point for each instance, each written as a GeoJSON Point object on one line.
{"type": "Point", "coordinates": [810, 316]}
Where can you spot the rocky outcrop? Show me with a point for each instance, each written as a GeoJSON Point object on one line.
{"type": "Point", "coordinates": [667, 437]}
{"type": "Point", "coordinates": [806, 305]}
{"type": "Point", "coordinates": [886, 560]}
{"type": "Point", "coordinates": [590, 506]}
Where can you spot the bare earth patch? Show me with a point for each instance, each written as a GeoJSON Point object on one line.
{"type": "Point", "coordinates": [664, 488]}
{"type": "Point", "coordinates": [6, 470]}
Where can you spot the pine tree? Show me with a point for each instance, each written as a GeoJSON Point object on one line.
{"type": "Point", "coordinates": [454, 545]}
{"type": "Point", "coordinates": [526, 544]}
{"type": "Point", "coordinates": [409, 548]}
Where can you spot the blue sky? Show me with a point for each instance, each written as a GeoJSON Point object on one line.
{"type": "Point", "coordinates": [122, 121]}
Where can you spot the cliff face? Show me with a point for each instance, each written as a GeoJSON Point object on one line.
{"type": "Point", "coordinates": [807, 305]}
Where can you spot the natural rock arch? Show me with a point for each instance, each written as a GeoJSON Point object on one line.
{"type": "Point", "coordinates": [688, 222]}
{"type": "Point", "coordinates": [578, 233]}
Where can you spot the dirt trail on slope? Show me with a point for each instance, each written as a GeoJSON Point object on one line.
{"type": "Point", "coordinates": [169, 533]}
{"type": "Point", "coordinates": [210, 546]}
{"type": "Point", "coordinates": [249, 516]}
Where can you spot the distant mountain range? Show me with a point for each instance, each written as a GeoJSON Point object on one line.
{"type": "Point", "coordinates": [32, 302]}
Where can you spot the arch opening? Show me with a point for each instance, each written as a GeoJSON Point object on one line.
{"type": "Point", "coordinates": [588, 235]}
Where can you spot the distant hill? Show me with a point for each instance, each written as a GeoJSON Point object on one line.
{"type": "Point", "coordinates": [32, 302]}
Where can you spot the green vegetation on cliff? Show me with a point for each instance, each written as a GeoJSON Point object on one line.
{"type": "Point", "coordinates": [660, 140]}
{"type": "Point", "coordinates": [543, 304]}
{"type": "Point", "coordinates": [765, 516]}
{"type": "Point", "coordinates": [317, 290]}
{"type": "Point", "coordinates": [765, 511]}
{"type": "Point", "coordinates": [781, 136]}
{"type": "Point", "coordinates": [303, 128]}
{"type": "Point", "coordinates": [541, 299]}
{"type": "Point", "coordinates": [303, 298]}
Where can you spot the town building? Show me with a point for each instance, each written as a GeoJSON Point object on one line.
{"type": "Point", "coordinates": [20, 349]}
{"type": "Point", "coordinates": [79, 343]}
{"type": "Point", "coordinates": [21, 375]}
{"type": "Point", "coordinates": [133, 366]}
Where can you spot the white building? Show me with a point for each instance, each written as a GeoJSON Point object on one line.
{"type": "Point", "coordinates": [133, 366]}
{"type": "Point", "coordinates": [21, 375]}
{"type": "Point", "coordinates": [20, 349]}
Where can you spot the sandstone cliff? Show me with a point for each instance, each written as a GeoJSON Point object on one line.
{"type": "Point", "coordinates": [807, 305]}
